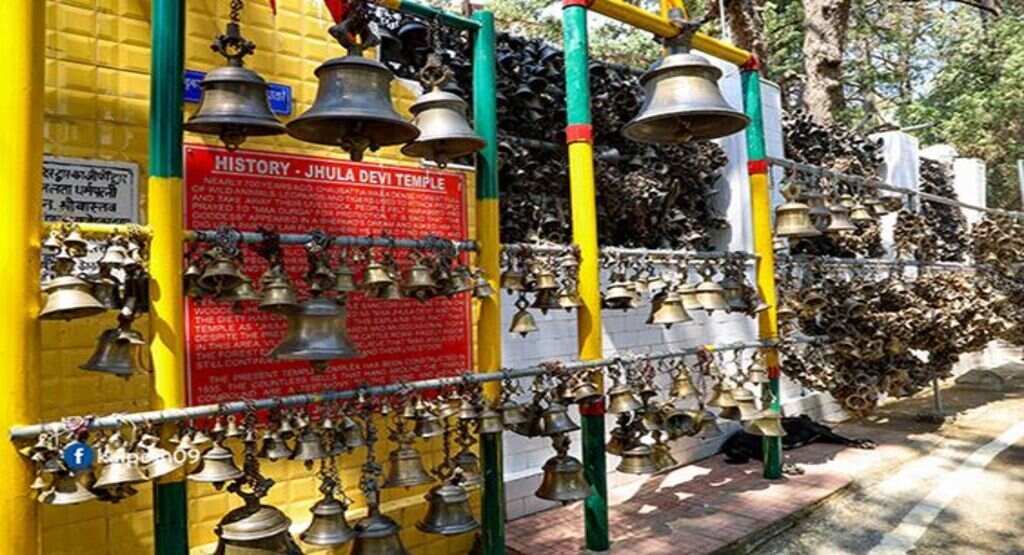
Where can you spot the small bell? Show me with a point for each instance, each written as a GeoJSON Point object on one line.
{"type": "Point", "coordinates": [545, 280]}
{"type": "Point", "coordinates": [155, 460]}
{"type": "Point", "coordinates": [793, 220]}
{"type": "Point", "coordinates": [682, 384]}
{"type": "Point", "coordinates": [119, 471]}
{"type": "Point", "coordinates": [221, 274]}
{"type": "Point", "coordinates": [513, 414]}
{"type": "Point", "coordinates": [618, 295]}
{"type": "Point", "coordinates": [352, 433]}
{"type": "Point", "coordinates": [621, 399]}
{"type": "Point", "coordinates": [682, 100]}
{"type": "Point", "coordinates": [406, 468]}
{"type": "Point", "coordinates": [711, 296]}
{"type": "Point", "coordinates": [638, 459]}
{"type": "Point", "coordinates": [569, 300]}
{"type": "Point", "coordinates": [563, 480]}
{"type": "Point", "coordinates": [329, 526]}
{"type": "Point", "coordinates": [767, 423]}
{"type": "Point", "coordinates": [66, 489]}
{"type": "Point", "coordinates": [279, 295]}
{"type": "Point", "coordinates": [688, 294]}
{"type": "Point", "coordinates": [274, 447]}
{"type": "Point", "coordinates": [69, 298]}
{"type": "Point", "coordinates": [107, 291]}
{"type": "Point", "coordinates": [216, 467]}
{"type": "Point", "coordinates": [860, 214]}
{"type": "Point", "coordinates": [419, 282]}
{"type": "Point", "coordinates": [309, 447]}
{"type": "Point", "coordinates": [585, 392]}
{"type": "Point", "coordinates": [317, 333]}
{"type": "Point", "coordinates": [344, 279]}
{"type": "Point", "coordinates": [482, 288]}
{"type": "Point", "coordinates": [667, 309]}
{"type": "Point", "coordinates": [75, 242]}
{"type": "Point", "coordinates": [378, 535]}
{"type": "Point", "coordinates": [468, 464]}
{"type": "Point", "coordinates": [448, 510]}
{"type": "Point", "coordinates": [491, 421]}
{"type": "Point", "coordinates": [555, 420]}
{"type": "Point", "coordinates": [523, 322]}
{"type": "Point", "coordinates": [662, 455]}
{"type": "Point", "coordinates": [242, 294]}
{"type": "Point", "coordinates": [512, 281]}
{"type": "Point", "coordinates": [840, 220]}
{"type": "Point", "coordinates": [428, 425]}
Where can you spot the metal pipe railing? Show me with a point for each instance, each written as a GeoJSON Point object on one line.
{"type": "Point", "coordinates": [21, 433]}
{"type": "Point", "coordinates": [886, 262]}
{"type": "Point", "coordinates": [428, 243]}
{"type": "Point", "coordinates": [882, 186]}
{"type": "Point", "coordinates": [551, 248]}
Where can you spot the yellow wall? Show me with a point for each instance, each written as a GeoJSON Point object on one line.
{"type": "Point", "coordinates": [97, 88]}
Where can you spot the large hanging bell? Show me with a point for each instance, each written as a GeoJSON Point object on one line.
{"type": "Point", "coordinates": [682, 101]}
{"type": "Point", "coordinates": [555, 420]}
{"type": "Point", "coordinates": [445, 133]}
{"type": "Point", "coordinates": [353, 107]}
{"type": "Point", "coordinates": [406, 468]}
{"type": "Point", "coordinates": [255, 529]}
{"type": "Point", "coordinates": [377, 534]}
{"type": "Point", "coordinates": [448, 510]}
{"type": "Point", "coordinates": [69, 298]}
{"type": "Point", "coordinates": [563, 480]}
{"type": "Point", "coordinates": [792, 219]}
{"type": "Point", "coordinates": [117, 352]}
{"type": "Point", "coordinates": [234, 104]}
{"type": "Point", "coordinates": [329, 526]}
{"type": "Point", "coordinates": [216, 467]}
{"type": "Point", "coordinates": [638, 459]}
{"type": "Point", "coordinates": [317, 332]}
{"type": "Point", "coordinates": [66, 489]}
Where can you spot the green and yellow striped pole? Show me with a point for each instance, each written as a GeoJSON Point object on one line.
{"type": "Point", "coordinates": [485, 114]}
{"type": "Point", "coordinates": [167, 317]}
{"type": "Point", "coordinates": [21, 149]}
{"type": "Point", "coordinates": [761, 214]}
{"type": "Point", "coordinates": [579, 136]}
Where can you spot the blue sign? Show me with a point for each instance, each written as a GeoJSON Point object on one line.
{"type": "Point", "coordinates": [279, 96]}
{"type": "Point", "coordinates": [79, 456]}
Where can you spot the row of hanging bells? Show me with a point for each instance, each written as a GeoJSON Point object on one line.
{"type": "Point", "coordinates": [353, 108]}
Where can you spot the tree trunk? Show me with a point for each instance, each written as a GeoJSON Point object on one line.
{"type": "Point", "coordinates": [747, 26]}
{"type": "Point", "coordinates": [825, 22]}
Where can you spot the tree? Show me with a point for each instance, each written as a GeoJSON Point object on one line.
{"type": "Point", "coordinates": [825, 26]}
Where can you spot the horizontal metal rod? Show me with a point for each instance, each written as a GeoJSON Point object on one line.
{"type": "Point", "coordinates": [600, 152]}
{"type": "Point", "coordinates": [878, 184]}
{"type": "Point", "coordinates": [447, 18]}
{"type": "Point", "coordinates": [95, 230]}
{"type": "Point", "coordinates": [20, 433]}
{"type": "Point", "coordinates": [551, 248]}
{"type": "Point", "coordinates": [209, 236]}
{"type": "Point", "coordinates": [542, 248]}
{"type": "Point", "coordinates": [806, 259]}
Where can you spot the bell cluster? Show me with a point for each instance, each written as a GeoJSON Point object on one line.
{"type": "Point", "coordinates": [946, 237]}
{"type": "Point", "coordinates": [317, 325]}
{"type": "Point", "coordinates": [550, 275]}
{"type": "Point", "coordinates": [890, 333]}
{"type": "Point", "coordinates": [118, 281]}
{"type": "Point", "coordinates": [673, 296]}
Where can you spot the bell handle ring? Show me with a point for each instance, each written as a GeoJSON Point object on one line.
{"type": "Point", "coordinates": [355, 33]}
{"type": "Point", "coordinates": [681, 42]}
{"type": "Point", "coordinates": [232, 45]}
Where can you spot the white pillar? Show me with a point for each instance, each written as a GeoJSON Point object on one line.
{"type": "Point", "coordinates": [971, 185]}
{"type": "Point", "coordinates": [902, 164]}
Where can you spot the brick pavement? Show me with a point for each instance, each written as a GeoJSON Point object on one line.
{"type": "Point", "coordinates": [697, 508]}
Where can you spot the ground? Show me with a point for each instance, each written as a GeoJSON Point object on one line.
{"type": "Point", "coordinates": [949, 488]}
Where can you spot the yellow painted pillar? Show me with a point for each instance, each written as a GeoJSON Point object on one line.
{"type": "Point", "coordinates": [21, 171]}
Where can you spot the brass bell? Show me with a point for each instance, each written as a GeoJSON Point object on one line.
{"type": "Point", "coordinates": [545, 301]}
{"type": "Point", "coordinates": [638, 459]}
{"type": "Point", "coordinates": [221, 273]}
{"type": "Point", "coordinates": [482, 286]}
{"type": "Point", "coordinates": [513, 414]}
{"type": "Point", "coordinates": [216, 467]}
{"type": "Point", "coordinates": [309, 447]}
{"type": "Point", "coordinates": [859, 214]}
{"type": "Point", "coordinates": [735, 295]}
{"type": "Point", "coordinates": [419, 282]}
{"type": "Point", "coordinates": [352, 433]}
{"type": "Point", "coordinates": [677, 423]}
{"type": "Point", "coordinates": [448, 510]}
{"type": "Point", "coordinates": [711, 297]}
{"type": "Point", "coordinates": [428, 425]}
{"type": "Point", "coordinates": [69, 298]}
{"type": "Point", "coordinates": [620, 440]}
{"type": "Point", "coordinates": [555, 420]}
{"type": "Point", "coordinates": [440, 116]}
{"type": "Point", "coordinates": [793, 219]}
{"type": "Point", "coordinates": [353, 107]}
{"type": "Point", "coordinates": [563, 480]}
{"type": "Point", "coordinates": [317, 332]}
{"type": "Point", "coordinates": [279, 295]}
{"type": "Point", "coordinates": [390, 292]}
{"type": "Point", "coordinates": [329, 526]}
{"type": "Point", "coordinates": [66, 489]}
{"type": "Point", "coordinates": [667, 309]}
{"type": "Point", "coordinates": [255, 529]}
{"type": "Point", "coordinates": [114, 256]}
{"type": "Point", "coordinates": [722, 398]}
{"type": "Point", "coordinates": [234, 104]}
{"type": "Point", "coordinates": [119, 471]}
{"type": "Point", "coordinates": [491, 421]}
{"type": "Point", "coordinates": [688, 295]}
{"type": "Point", "coordinates": [767, 423]}
{"type": "Point", "coordinates": [274, 447]}
{"type": "Point", "coordinates": [682, 100]}
{"type": "Point", "coordinates": [468, 464]}
{"type": "Point", "coordinates": [662, 455]}
{"type": "Point", "coordinates": [569, 300]}
{"type": "Point", "coordinates": [621, 399]}
{"type": "Point", "coordinates": [406, 468]}
{"type": "Point", "coordinates": [618, 295]}
{"type": "Point", "coordinates": [840, 220]}
{"type": "Point", "coordinates": [785, 312]}
{"type": "Point", "coordinates": [377, 534]}
{"type": "Point", "coordinates": [545, 280]}
{"type": "Point", "coordinates": [523, 323]}
{"type": "Point", "coordinates": [585, 392]}
{"type": "Point", "coordinates": [243, 293]}
{"type": "Point", "coordinates": [107, 291]}
{"type": "Point", "coordinates": [512, 280]}
{"type": "Point", "coordinates": [682, 384]}
{"type": "Point", "coordinates": [155, 460]}
{"type": "Point", "coordinates": [117, 352]}
{"type": "Point", "coordinates": [376, 276]}
{"type": "Point", "coordinates": [344, 279]}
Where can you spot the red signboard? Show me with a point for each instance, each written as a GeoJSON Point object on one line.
{"type": "Point", "coordinates": [406, 340]}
